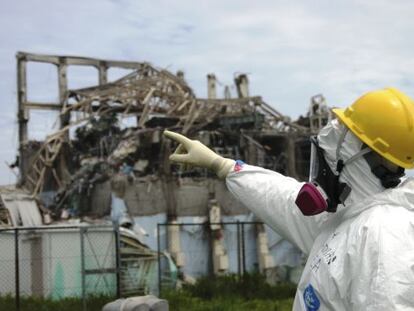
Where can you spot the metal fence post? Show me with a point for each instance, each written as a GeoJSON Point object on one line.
{"type": "Point", "coordinates": [159, 259]}
{"type": "Point", "coordinates": [210, 248]}
{"type": "Point", "coordinates": [118, 260]}
{"type": "Point", "coordinates": [243, 247]}
{"type": "Point", "coordinates": [238, 249]}
{"type": "Point", "coordinates": [82, 251]}
{"type": "Point", "coordinates": [17, 268]}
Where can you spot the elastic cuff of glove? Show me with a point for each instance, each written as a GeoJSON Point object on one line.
{"type": "Point", "coordinates": [222, 167]}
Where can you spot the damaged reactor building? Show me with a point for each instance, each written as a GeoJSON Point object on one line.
{"type": "Point", "coordinates": [93, 168]}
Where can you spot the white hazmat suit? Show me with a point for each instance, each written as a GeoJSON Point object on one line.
{"type": "Point", "coordinates": [362, 256]}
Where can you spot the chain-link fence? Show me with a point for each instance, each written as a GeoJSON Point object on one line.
{"type": "Point", "coordinates": [88, 263]}
{"type": "Point", "coordinates": [208, 249]}
{"type": "Point", "coordinates": [56, 262]}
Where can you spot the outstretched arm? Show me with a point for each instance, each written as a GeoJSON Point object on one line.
{"type": "Point", "coordinates": [269, 195]}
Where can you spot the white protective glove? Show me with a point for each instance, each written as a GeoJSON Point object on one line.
{"type": "Point", "coordinates": [192, 152]}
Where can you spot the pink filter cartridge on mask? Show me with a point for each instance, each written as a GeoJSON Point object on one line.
{"type": "Point", "coordinates": [310, 201]}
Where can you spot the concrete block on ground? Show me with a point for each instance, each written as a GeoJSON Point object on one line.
{"type": "Point", "coordinates": [140, 303]}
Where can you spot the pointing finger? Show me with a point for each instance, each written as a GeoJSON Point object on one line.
{"type": "Point", "coordinates": [179, 138]}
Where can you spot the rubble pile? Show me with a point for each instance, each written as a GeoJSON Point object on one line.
{"type": "Point", "coordinates": [93, 148]}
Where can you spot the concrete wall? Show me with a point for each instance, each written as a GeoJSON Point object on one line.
{"type": "Point", "coordinates": [145, 197]}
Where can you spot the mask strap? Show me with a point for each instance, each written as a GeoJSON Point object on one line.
{"type": "Point", "coordinates": [358, 155]}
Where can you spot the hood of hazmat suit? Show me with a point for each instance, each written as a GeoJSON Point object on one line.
{"type": "Point", "coordinates": [359, 258]}
{"type": "Point", "coordinates": [357, 174]}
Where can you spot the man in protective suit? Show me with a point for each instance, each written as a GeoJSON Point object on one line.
{"type": "Point", "coordinates": [355, 216]}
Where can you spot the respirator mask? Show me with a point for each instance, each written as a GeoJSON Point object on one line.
{"type": "Point", "coordinates": [324, 191]}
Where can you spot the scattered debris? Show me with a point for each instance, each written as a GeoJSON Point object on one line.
{"type": "Point", "coordinates": [18, 208]}
{"type": "Point", "coordinates": [71, 166]}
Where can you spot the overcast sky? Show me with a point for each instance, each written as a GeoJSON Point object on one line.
{"type": "Point", "coordinates": [290, 49]}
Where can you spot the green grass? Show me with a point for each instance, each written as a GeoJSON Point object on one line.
{"type": "Point", "coordinates": [250, 286]}
{"type": "Point", "coordinates": [224, 293]}
{"type": "Point", "coordinates": [180, 301]}
{"type": "Point", "coordinates": [227, 293]}
{"type": "Point", "coordinates": [93, 303]}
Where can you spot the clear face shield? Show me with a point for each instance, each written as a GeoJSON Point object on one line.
{"type": "Point", "coordinates": [314, 160]}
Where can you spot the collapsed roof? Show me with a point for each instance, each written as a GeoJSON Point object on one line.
{"type": "Point", "coordinates": [91, 148]}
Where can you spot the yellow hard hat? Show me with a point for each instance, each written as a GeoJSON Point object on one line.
{"type": "Point", "coordinates": [384, 120]}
